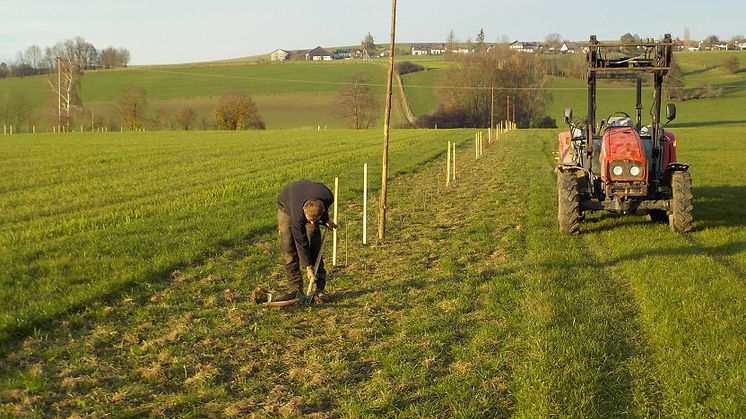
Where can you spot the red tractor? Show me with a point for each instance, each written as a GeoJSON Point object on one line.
{"type": "Point", "coordinates": [620, 165]}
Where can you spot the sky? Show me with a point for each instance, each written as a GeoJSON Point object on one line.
{"type": "Point", "coordinates": [185, 31]}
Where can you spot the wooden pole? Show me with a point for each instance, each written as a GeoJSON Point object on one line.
{"type": "Point", "coordinates": [476, 146]}
{"type": "Point", "coordinates": [336, 202]}
{"type": "Point", "coordinates": [492, 112]}
{"type": "Point", "coordinates": [365, 203]}
{"type": "Point", "coordinates": [386, 122]}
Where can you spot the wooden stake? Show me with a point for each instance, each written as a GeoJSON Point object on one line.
{"type": "Point", "coordinates": [476, 146]}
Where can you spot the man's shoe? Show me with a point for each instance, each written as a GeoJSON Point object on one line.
{"type": "Point", "coordinates": [285, 297]}
{"type": "Point", "coordinates": [321, 297]}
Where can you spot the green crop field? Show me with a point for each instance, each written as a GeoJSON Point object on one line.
{"type": "Point", "coordinates": [128, 258]}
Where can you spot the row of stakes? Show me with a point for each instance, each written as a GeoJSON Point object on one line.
{"type": "Point", "coordinates": [451, 174]}
{"type": "Point", "coordinates": [8, 129]}
{"type": "Point", "coordinates": [500, 129]}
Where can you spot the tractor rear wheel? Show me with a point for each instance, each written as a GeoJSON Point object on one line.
{"type": "Point", "coordinates": [680, 219]}
{"type": "Point", "coordinates": [568, 208]}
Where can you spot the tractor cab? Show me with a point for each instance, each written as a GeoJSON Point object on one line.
{"type": "Point", "coordinates": [618, 164]}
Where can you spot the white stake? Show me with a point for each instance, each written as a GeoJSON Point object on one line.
{"type": "Point", "coordinates": [448, 165]}
{"type": "Point", "coordinates": [454, 160]}
{"type": "Point", "coordinates": [365, 203]}
{"type": "Point", "coordinates": [336, 201]}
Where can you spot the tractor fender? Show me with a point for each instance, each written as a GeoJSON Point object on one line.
{"type": "Point", "coordinates": [568, 168]}
{"type": "Point", "coordinates": [677, 167]}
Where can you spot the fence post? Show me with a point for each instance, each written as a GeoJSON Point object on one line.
{"type": "Point", "coordinates": [334, 234]}
{"type": "Point", "coordinates": [365, 203]}
{"type": "Point", "coordinates": [448, 164]}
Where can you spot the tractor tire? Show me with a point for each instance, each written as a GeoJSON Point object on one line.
{"type": "Point", "coordinates": [680, 219]}
{"type": "Point", "coordinates": [658, 216]}
{"type": "Point", "coordinates": [568, 208]}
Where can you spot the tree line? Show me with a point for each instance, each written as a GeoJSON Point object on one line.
{"type": "Point", "coordinates": [36, 60]}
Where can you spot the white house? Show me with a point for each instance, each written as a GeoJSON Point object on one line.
{"type": "Point", "coordinates": [524, 46]}
{"type": "Point", "coordinates": [279, 55]}
{"type": "Point", "coordinates": [420, 49]}
{"type": "Point", "coordinates": [319, 54]}
{"type": "Point", "coordinates": [437, 49]}
{"type": "Point", "coordinates": [569, 48]}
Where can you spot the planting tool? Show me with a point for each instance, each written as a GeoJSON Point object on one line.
{"type": "Point", "coordinates": [311, 289]}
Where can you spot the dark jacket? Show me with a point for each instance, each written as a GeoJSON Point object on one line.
{"type": "Point", "coordinates": [291, 200]}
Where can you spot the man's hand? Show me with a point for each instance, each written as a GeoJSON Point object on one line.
{"type": "Point", "coordinates": [330, 224]}
{"type": "Point", "coordinates": [309, 274]}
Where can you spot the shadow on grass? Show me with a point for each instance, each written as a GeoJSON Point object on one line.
{"type": "Point", "coordinates": [12, 337]}
{"type": "Point", "coordinates": [714, 206]}
{"type": "Point", "coordinates": [720, 206]}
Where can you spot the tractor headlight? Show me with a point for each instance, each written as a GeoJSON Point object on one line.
{"type": "Point", "coordinates": [634, 171]}
{"type": "Point", "coordinates": [617, 170]}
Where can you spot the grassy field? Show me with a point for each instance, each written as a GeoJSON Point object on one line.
{"type": "Point", "coordinates": [305, 90]}
{"type": "Point", "coordinates": [106, 211]}
{"type": "Point", "coordinates": [131, 258]}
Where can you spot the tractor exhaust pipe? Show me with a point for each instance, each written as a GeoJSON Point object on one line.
{"type": "Point", "coordinates": [639, 104]}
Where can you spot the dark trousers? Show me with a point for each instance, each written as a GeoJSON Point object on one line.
{"type": "Point", "coordinates": [290, 253]}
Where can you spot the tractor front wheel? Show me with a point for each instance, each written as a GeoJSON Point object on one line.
{"type": "Point", "coordinates": [680, 218]}
{"type": "Point", "coordinates": [568, 208]}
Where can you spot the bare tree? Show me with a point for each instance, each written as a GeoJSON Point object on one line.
{"type": "Point", "coordinates": [356, 103]}
{"type": "Point", "coordinates": [730, 64]}
{"type": "Point", "coordinates": [65, 84]}
{"type": "Point", "coordinates": [480, 47]}
{"type": "Point", "coordinates": [368, 45]}
{"type": "Point", "coordinates": [687, 37]}
{"type": "Point", "coordinates": [465, 97]}
{"type": "Point", "coordinates": [553, 40]}
{"type": "Point", "coordinates": [131, 104]}
{"type": "Point", "coordinates": [34, 57]}
{"type": "Point", "coordinates": [237, 111]}
{"type": "Point", "coordinates": [673, 82]}
{"type": "Point", "coordinates": [14, 109]}
{"type": "Point", "coordinates": [186, 117]}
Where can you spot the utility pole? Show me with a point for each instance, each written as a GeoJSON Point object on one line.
{"type": "Point", "coordinates": [59, 92]}
{"type": "Point", "coordinates": [386, 121]}
{"type": "Point", "coordinates": [492, 111]}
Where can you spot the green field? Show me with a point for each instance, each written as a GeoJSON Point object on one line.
{"type": "Point", "coordinates": [128, 259]}
{"type": "Point", "coordinates": [301, 94]}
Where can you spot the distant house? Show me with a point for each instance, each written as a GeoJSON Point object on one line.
{"type": "Point", "coordinates": [569, 48]}
{"type": "Point", "coordinates": [319, 54]}
{"type": "Point", "coordinates": [342, 54]}
{"type": "Point", "coordinates": [280, 55]}
{"type": "Point", "coordinates": [438, 49]}
{"type": "Point", "coordinates": [520, 46]}
{"type": "Point", "coordinates": [693, 49]}
{"type": "Point", "coordinates": [428, 49]}
{"type": "Point", "coordinates": [420, 49]}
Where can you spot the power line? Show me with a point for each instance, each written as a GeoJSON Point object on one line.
{"type": "Point", "coordinates": [414, 86]}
